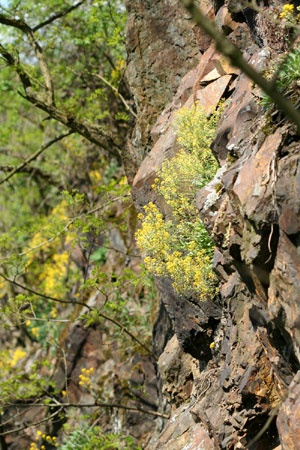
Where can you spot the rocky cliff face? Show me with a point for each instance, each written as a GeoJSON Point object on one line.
{"type": "Point", "coordinates": [230, 373]}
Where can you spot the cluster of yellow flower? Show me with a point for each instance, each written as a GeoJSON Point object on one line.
{"type": "Point", "coordinates": [195, 131]}
{"type": "Point", "coordinates": [44, 437]}
{"type": "Point", "coordinates": [288, 13]}
{"type": "Point", "coordinates": [85, 377]}
{"type": "Point", "coordinates": [176, 182]}
{"type": "Point", "coordinates": [154, 238]}
{"type": "Point", "coordinates": [192, 273]}
{"type": "Point", "coordinates": [56, 263]}
{"type": "Point", "coordinates": [178, 246]}
{"type": "Point", "coordinates": [16, 356]}
{"type": "Point", "coordinates": [54, 273]}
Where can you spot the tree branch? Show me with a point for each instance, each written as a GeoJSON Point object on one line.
{"type": "Point", "coordinates": [87, 405]}
{"type": "Point", "coordinates": [24, 427]}
{"type": "Point", "coordinates": [101, 314]}
{"type": "Point", "coordinates": [34, 156]}
{"type": "Point", "coordinates": [91, 132]}
{"type": "Point", "coordinates": [118, 93]}
{"type": "Point", "coordinates": [60, 14]}
{"type": "Point", "coordinates": [228, 49]}
{"type": "Point", "coordinates": [34, 171]}
{"type": "Point", "coordinates": [25, 28]}
{"type": "Point", "coordinates": [47, 297]}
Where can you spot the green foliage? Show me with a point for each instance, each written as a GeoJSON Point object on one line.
{"type": "Point", "coordinates": [90, 438]}
{"type": "Point", "coordinates": [287, 77]}
{"type": "Point", "coordinates": [178, 245]}
{"type": "Point", "coordinates": [66, 216]}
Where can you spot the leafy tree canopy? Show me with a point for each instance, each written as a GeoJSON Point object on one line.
{"type": "Point", "coordinates": [66, 216]}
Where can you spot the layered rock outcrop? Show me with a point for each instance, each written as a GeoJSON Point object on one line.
{"type": "Point", "coordinates": [231, 372]}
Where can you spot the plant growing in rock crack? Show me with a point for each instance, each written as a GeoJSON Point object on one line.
{"type": "Point", "coordinates": [177, 245]}
{"type": "Point", "coordinates": [287, 78]}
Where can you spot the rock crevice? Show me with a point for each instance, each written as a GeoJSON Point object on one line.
{"type": "Point", "coordinates": [230, 372]}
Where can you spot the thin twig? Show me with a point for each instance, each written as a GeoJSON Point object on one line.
{"type": "Point", "coordinates": [94, 133]}
{"type": "Point", "coordinates": [101, 314]}
{"type": "Point", "coordinates": [39, 319]}
{"type": "Point", "coordinates": [58, 15]}
{"type": "Point", "coordinates": [89, 405]}
{"type": "Point", "coordinates": [132, 336]}
{"type": "Point", "coordinates": [264, 428]}
{"type": "Point", "coordinates": [269, 243]}
{"type": "Point", "coordinates": [118, 93]}
{"type": "Point", "coordinates": [34, 424]}
{"type": "Point", "coordinates": [35, 155]}
{"type": "Point", "coordinates": [70, 222]}
{"type": "Point", "coordinates": [40, 294]}
{"type": "Point", "coordinates": [29, 32]}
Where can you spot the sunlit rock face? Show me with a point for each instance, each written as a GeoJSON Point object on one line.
{"type": "Point", "coordinates": [232, 363]}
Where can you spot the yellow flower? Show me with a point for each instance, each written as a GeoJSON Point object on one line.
{"type": "Point", "coordinates": [17, 355]}
{"type": "Point", "coordinates": [35, 332]}
{"type": "Point", "coordinates": [84, 377]}
{"type": "Point", "coordinates": [287, 11]}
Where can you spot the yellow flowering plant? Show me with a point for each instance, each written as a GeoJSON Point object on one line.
{"type": "Point", "coordinates": [178, 246]}
{"type": "Point", "coordinates": [85, 378]}
{"type": "Point", "coordinates": [288, 14]}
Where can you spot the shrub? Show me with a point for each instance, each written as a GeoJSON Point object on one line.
{"type": "Point", "coordinates": [287, 75]}
{"type": "Point", "coordinates": [178, 245]}
{"type": "Point", "coordinates": [90, 438]}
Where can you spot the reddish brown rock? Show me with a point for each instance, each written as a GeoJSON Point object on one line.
{"type": "Point", "coordinates": [162, 46]}
{"type": "Point", "coordinates": [182, 432]}
{"type": "Point", "coordinates": [253, 186]}
{"type": "Point", "coordinates": [284, 300]}
{"type": "Point", "coordinates": [210, 96]}
{"type": "Point", "coordinates": [247, 353]}
{"type": "Point", "coordinates": [288, 420]}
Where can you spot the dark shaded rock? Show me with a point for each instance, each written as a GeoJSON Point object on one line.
{"type": "Point", "coordinates": [200, 318]}
{"type": "Point", "coordinates": [162, 330]}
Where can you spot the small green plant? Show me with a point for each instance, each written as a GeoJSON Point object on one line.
{"type": "Point", "coordinates": [178, 245]}
{"type": "Point", "coordinates": [287, 74]}
{"type": "Point", "coordinates": [91, 438]}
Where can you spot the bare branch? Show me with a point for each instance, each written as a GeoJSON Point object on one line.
{"type": "Point", "coordinates": [91, 132]}
{"type": "Point", "coordinates": [101, 314]}
{"type": "Point", "coordinates": [34, 424]}
{"type": "Point", "coordinates": [47, 297]}
{"type": "Point", "coordinates": [34, 156]}
{"type": "Point", "coordinates": [35, 172]}
{"type": "Point", "coordinates": [228, 49]}
{"type": "Point", "coordinates": [11, 61]}
{"type": "Point", "coordinates": [118, 93]}
{"type": "Point", "coordinates": [132, 336]}
{"type": "Point", "coordinates": [15, 23]}
{"type": "Point", "coordinates": [88, 405]}
{"type": "Point", "coordinates": [60, 14]}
